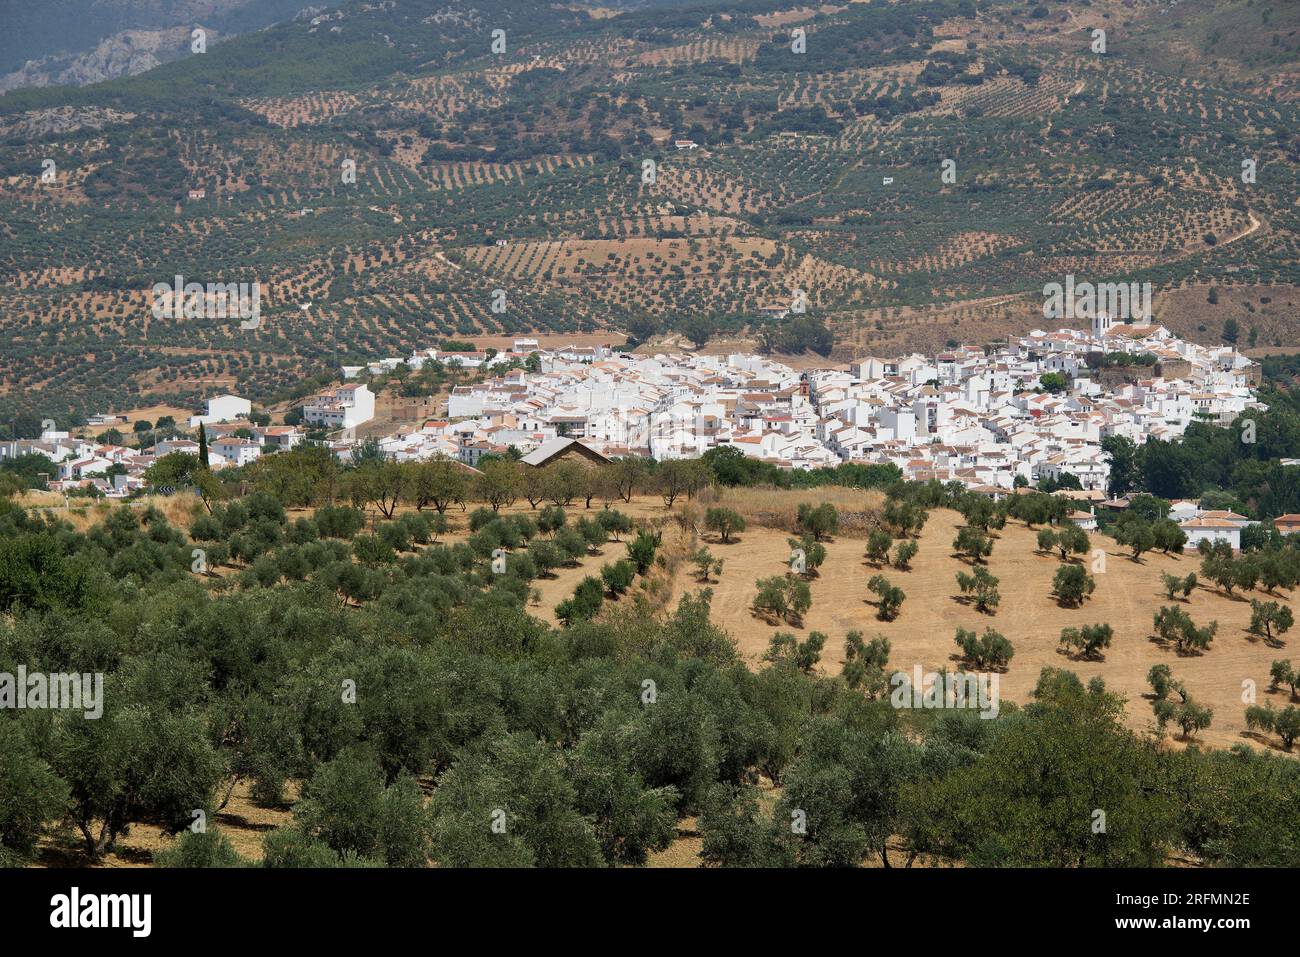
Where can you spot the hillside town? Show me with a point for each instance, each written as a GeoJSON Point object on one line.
{"type": "Point", "coordinates": [1035, 408]}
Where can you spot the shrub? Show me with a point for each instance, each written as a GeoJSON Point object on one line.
{"type": "Point", "coordinates": [819, 521]}
{"type": "Point", "coordinates": [614, 522]}
{"type": "Point", "coordinates": [889, 598]}
{"type": "Point", "coordinates": [618, 577]}
{"type": "Point", "coordinates": [585, 603]}
{"type": "Point", "coordinates": [990, 650]}
{"type": "Point", "coordinates": [726, 522]}
{"type": "Point", "coordinates": [981, 586]}
{"type": "Point", "coordinates": [705, 563]}
{"type": "Point", "coordinates": [1071, 585]}
{"type": "Point", "coordinates": [550, 519]}
{"type": "Point", "coordinates": [641, 550]}
{"type": "Point", "coordinates": [339, 521]}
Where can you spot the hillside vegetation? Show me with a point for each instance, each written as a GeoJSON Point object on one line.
{"type": "Point", "coordinates": [367, 678]}
{"type": "Point", "coordinates": [525, 171]}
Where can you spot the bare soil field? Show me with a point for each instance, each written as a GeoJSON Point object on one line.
{"type": "Point", "coordinates": [1268, 310]}
{"type": "Point", "coordinates": [1126, 597]}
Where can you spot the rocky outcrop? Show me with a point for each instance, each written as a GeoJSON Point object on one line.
{"type": "Point", "coordinates": [123, 54]}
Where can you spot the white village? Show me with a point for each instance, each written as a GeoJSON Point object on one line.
{"type": "Point", "coordinates": [1032, 409]}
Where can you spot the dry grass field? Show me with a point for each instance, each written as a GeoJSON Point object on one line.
{"type": "Point", "coordinates": [1126, 597]}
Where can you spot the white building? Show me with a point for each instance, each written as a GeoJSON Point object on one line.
{"type": "Point", "coordinates": [962, 415]}
{"type": "Point", "coordinates": [343, 408]}
{"type": "Point", "coordinates": [1211, 530]}
{"type": "Point", "coordinates": [222, 408]}
{"type": "Point", "coordinates": [237, 451]}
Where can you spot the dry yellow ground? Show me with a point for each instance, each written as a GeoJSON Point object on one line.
{"type": "Point", "coordinates": [1126, 597]}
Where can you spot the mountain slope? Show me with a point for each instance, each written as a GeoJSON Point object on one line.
{"type": "Point", "coordinates": [549, 172]}
{"type": "Point", "coordinates": [54, 42]}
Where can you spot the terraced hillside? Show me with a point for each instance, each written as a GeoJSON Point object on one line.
{"type": "Point", "coordinates": [919, 170]}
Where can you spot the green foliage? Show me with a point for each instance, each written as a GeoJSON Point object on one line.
{"type": "Point", "coordinates": [618, 577]}
{"type": "Point", "coordinates": [819, 521]}
{"type": "Point", "coordinates": [31, 794]}
{"type": "Point", "coordinates": [1172, 624]}
{"type": "Point", "coordinates": [1173, 584]}
{"type": "Point", "coordinates": [889, 598]}
{"type": "Point", "coordinates": [878, 544]}
{"type": "Point", "coordinates": [1188, 715]}
{"type": "Point", "coordinates": [1071, 585]}
{"type": "Point", "coordinates": [585, 603]}
{"type": "Point", "coordinates": [1028, 813]}
{"type": "Point", "coordinates": [1052, 382]}
{"type": "Point", "coordinates": [1281, 672]}
{"type": "Point", "coordinates": [1088, 641]}
{"type": "Point", "coordinates": [1269, 618]}
{"type": "Point", "coordinates": [864, 663]}
{"type": "Point", "coordinates": [641, 550]}
{"type": "Point", "coordinates": [973, 543]}
{"type": "Point", "coordinates": [208, 849]}
{"type": "Point", "coordinates": [989, 651]}
{"type": "Point", "coordinates": [706, 564]}
{"type": "Point", "coordinates": [1136, 534]}
{"type": "Point", "coordinates": [781, 598]}
{"type": "Point", "coordinates": [1161, 680]}
{"type": "Point", "coordinates": [788, 651]}
{"type": "Point", "coordinates": [725, 521]}
{"type": "Point", "coordinates": [982, 588]}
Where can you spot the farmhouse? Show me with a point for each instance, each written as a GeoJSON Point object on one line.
{"type": "Point", "coordinates": [1212, 530]}
{"type": "Point", "coordinates": [563, 450]}
{"type": "Point", "coordinates": [1287, 524]}
{"type": "Point", "coordinates": [237, 451]}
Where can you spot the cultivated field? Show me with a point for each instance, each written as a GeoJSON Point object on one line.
{"type": "Point", "coordinates": [1126, 597]}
